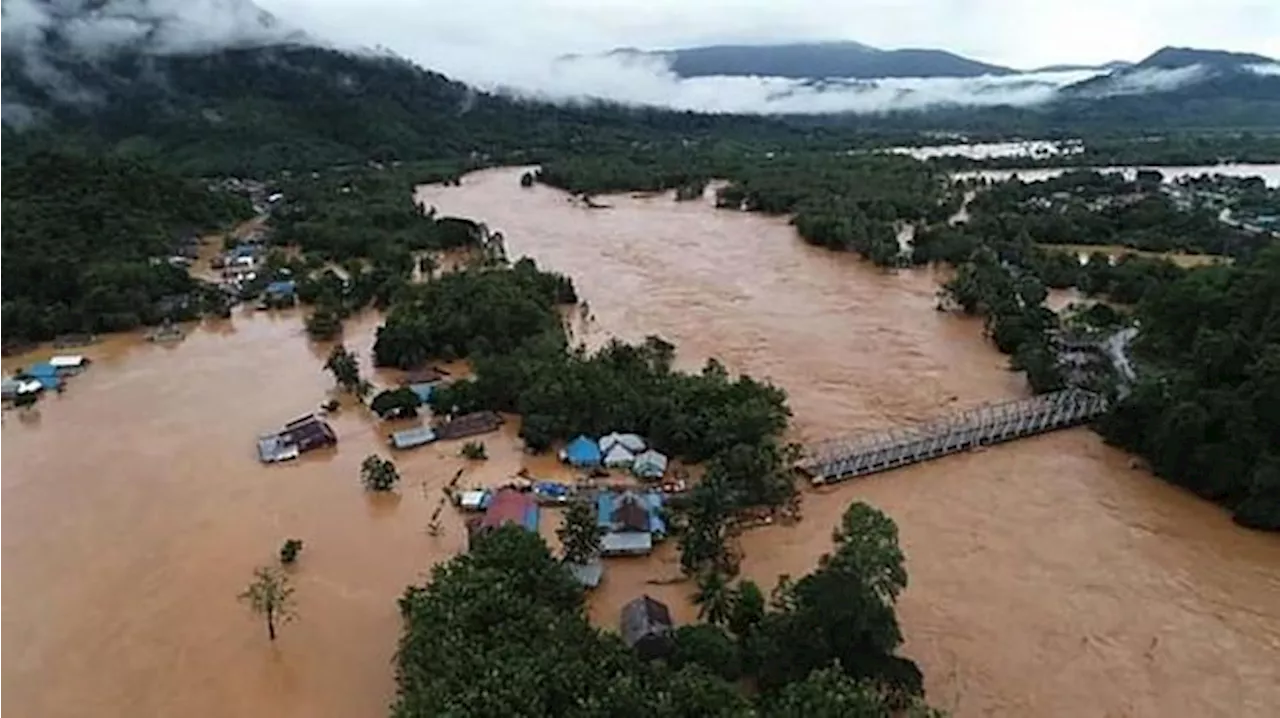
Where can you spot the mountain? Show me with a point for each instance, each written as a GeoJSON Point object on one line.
{"type": "Point", "coordinates": [816, 60]}
{"type": "Point", "coordinates": [1171, 57]}
{"type": "Point", "coordinates": [1104, 67]}
{"type": "Point", "coordinates": [1185, 74]}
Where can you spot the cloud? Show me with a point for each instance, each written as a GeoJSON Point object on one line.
{"type": "Point", "coordinates": [647, 80]}
{"type": "Point", "coordinates": [1266, 70]}
{"type": "Point", "coordinates": [1150, 79]}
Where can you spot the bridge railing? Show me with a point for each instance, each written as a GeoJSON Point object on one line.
{"type": "Point", "coordinates": [986, 424]}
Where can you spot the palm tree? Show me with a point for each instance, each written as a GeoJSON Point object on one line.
{"type": "Point", "coordinates": [714, 598]}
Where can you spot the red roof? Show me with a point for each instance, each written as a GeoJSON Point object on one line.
{"type": "Point", "coordinates": [511, 506]}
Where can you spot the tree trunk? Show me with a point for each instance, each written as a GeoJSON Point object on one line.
{"type": "Point", "coordinates": [271, 624]}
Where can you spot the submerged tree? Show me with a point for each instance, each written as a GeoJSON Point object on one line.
{"type": "Point", "coordinates": [714, 598]}
{"type": "Point", "coordinates": [378, 474]}
{"type": "Point", "coordinates": [270, 596]}
{"type": "Point", "coordinates": [580, 534]}
{"type": "Point", "coordinates": [345, 369]}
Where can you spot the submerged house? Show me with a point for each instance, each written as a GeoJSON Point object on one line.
{"type": "Point", "coordinates": [43, 372]}
{"type": "Point", "coordinates": [588, 574]}
{"type": "Point", "coordinates": [281, 293]}
{"type": "Point", "coordinates": [630, 522]}
{"type": "Point", "coordinates": [582, 452]}
{"type": "Point", "coordinates": [478, 422]}
{"type": "Point", "coordinates": [411, 438]}
{"type": "Point", "coordinates": [506, 506]}
{"type": "Point", "coordinates": [647, 627]}
{"type": "Point", "coordinates": [12, 388]}
{"type": "Point", "coordinates": [298, 436]}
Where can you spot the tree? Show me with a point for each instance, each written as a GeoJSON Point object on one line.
{"type": "Point", "coordinates": [714, 598]}
{"type": "Point", "coordinates": [345, 368]}
{"type": "Point", "coordinates": [748, 608]}
{"type": "Point", "coordinates": [829, 693]}
{"type": "Point", "coordinates": [270, 596]}
{"type": "Point", "coordinates": [474, 450]}
{"type": "Point", "coordinates": [324, 323]}
{"type": "Point", "coordinates": [290, 550]}
{"type": "Point", "coordinates": [579, 534]}
{"type": "Point", "coordinates": [396, 403]}
{"type": "Point", "coordinates": [378, 474]}
{"type": "Point", "coordinates": [526, 179]}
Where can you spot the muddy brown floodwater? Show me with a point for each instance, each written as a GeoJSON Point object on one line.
{"type": "Point", "coordinates": [1048, 577]}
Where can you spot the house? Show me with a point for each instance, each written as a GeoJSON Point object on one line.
{"type": "Point", "coordinates": [647, 627]}
{"type": "Point", "coordinates": [44, 373]}
{"type": "Point", "coordinates": [588, 574]}
{"type": "Point", "coordinates": [11, 388]}
{"type": "Point", "coordinates": [475, 500]}
{"type": "Point", "coordinates": [582, 452]}
{"type": "Point", "coordinates": [506, 506]}
{"type": "Point", "coordinates": [298, 436]}
{"type": "Point", "coordinates": [282, 290]}
{"type": "Point", "coordinates": [631, 442]}
{"type": "Point", "coordinates": [429, 375]}
{"type": "Point", "coordinates": [424, 391]}
{"type": "Point", "coordinates": [629, 521]}
{"type": "Point", "coordinates": [650, 464]}
{"type": "Point", "coordinates": [69, 364]}
{"type": "Point", "coordinates": [411, 438]}
{"type": "Point", "coordinates": [478, 422]}
{"type": "Point", "coordinates": [618, 457]}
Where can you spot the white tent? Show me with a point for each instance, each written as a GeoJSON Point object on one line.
{"type": "Point", "coordinates": [618, 456]}
{"type": "Point", "coordinates": [631, 442]}
{"type": "Point", "coordinates": [650, 464]}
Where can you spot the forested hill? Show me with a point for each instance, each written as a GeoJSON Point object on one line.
{"type": "Point", "coordinates": [80, 236]}
{"type": "Point", "coordinates": [248, 111]}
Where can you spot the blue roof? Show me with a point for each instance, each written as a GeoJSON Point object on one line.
{"type": "Point", "coordinates": [606, 500]}
{"type": "Point", "coordinates": [41, 369]}
{"type": "Point", "coordinates": [244, 250]}
{"type": "Point", "coordinates": [424, 391]}
{"type": "Point", "coordinates": [48, 382]}
{"type": "Point", "coordinates": [583, 451]}
{"type": "Point", "coordinates": [551, 488]}
{"type": "Point", "coordinates": [282, 287]}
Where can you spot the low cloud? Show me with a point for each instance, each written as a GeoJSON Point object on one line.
{"type": "Point", "coordinates": [647, 80]}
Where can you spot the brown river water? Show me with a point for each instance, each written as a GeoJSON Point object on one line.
{"type": "Point", "coordinates": [1048, 577]}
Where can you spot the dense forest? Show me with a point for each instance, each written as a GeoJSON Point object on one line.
{"type": "Point", "coordinates": [1207, 411]}
{"type": "Point", "coordinates": [505, 625]}
{"type": "Point", "coordinates": [87, 239]}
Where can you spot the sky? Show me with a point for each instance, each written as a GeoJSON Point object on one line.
{"type": "Point", "coordinates": [1019, 33]}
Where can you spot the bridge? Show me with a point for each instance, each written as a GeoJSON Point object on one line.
{"type": "Point", "coordinates": [877, 451]}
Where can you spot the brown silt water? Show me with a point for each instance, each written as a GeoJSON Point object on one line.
{"type": "Point", "coordinates": [1048, 577]}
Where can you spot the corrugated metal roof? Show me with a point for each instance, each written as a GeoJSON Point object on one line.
{"type": "Point", "coordinates": [626, 543]}
{"type": "Point", "coordinates": [511, 506]}
{"type": "Point", "coordinates": [409, 438]}
{"type": "Point", "coordinates": [618, 456]}
{"type": "Point", "coordinates": [41, 369]}
{"type": "Point", "coordinates": [582, 451]}
{"type": "Point", "coordinates": [588, 574]}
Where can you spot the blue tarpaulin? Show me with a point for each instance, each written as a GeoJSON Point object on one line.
{"type": "Point", "coordinates": [583, 451]}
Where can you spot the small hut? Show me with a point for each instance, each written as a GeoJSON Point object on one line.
{"type": "Point", "coordinates": [647, 627]}
{"type": "Point", "coordinates": [631, 442]}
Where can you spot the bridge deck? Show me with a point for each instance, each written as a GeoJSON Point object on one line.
{"type": "Point", "coordinates": [871, 453]}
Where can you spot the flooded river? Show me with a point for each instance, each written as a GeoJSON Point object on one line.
{"type": "Point", "coordinates": [1048, 577]}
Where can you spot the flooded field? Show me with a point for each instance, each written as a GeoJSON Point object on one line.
{"type": "Point", "coordinates": [1048, 577]}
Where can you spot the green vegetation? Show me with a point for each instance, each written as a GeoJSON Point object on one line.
{"type": "Point", "coordinates": [378, 474]}
{"type": "Point", "coordinates": [472, 312]}
{"type": "Point", "coordinates": [290, 550]}
{"type": "Point", "coordinates": [399, 403]}
{"type": "Point", "coordinates": [473, 450]}
{"type": "Point", "coordinates": [88, 239]}
{"type": "Point", "coordinates": [271, 596]}
{"type": "Point", "coordinates": [1206, 411]}
{"type": "Point", "coordinates": [346, 371]}
{"type": "Point", "coordinates": [579, 534]}
{"type": "Point", "coordinates": [505, 625]}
